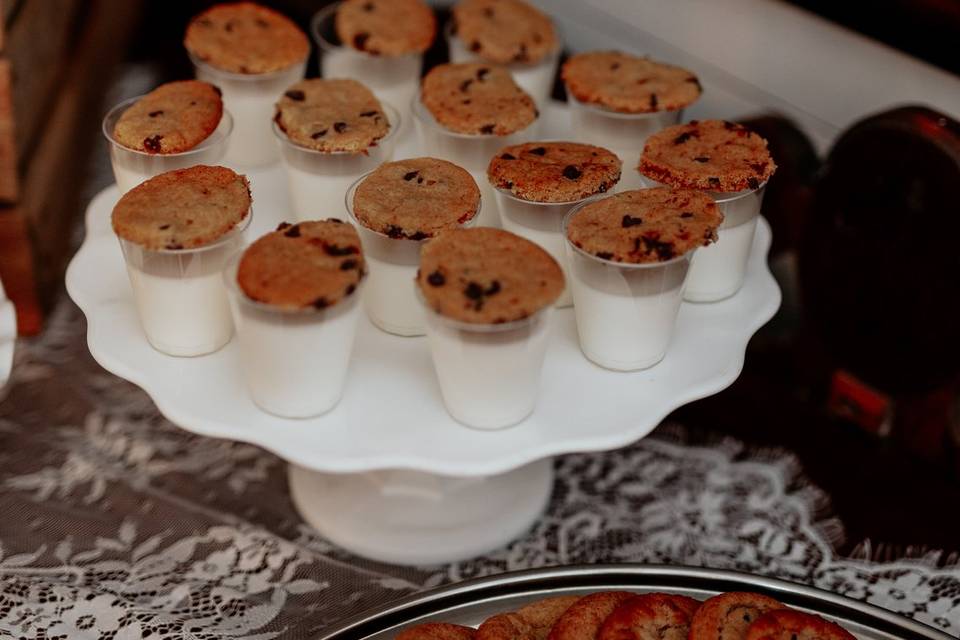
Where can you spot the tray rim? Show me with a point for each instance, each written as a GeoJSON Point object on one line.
{"type": "Point", "coordinates": [409, 608]}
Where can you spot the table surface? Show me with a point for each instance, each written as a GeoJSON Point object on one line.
{"type": "Point", "coordinates": [116, 520]}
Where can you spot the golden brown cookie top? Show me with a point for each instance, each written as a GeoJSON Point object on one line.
{"type": "Point", "coordinates": [585, 617]}
{"type": "Point", "coordinates": [311, 264]}
{"type": "Point", "coordinates": [728, 615]}
{"type": "Point", "coordinates": [650, 615]}
{"type": "Point", "coordinates": [437, 631]}
{"type": "Point", "coordinates": [503, 31]}
{"type": "Point", "coordinates": [477, 98]}
{"type": "Point", "coordinates": [531, 622]}
{"type": "Point", "coordinates": [416, 198]}
{"type": "Point", "coordinates": [786, 624]}
{"type": "Point", "coordinates": [183, 209]}
{"type": "Point", "coordinates": [715, 155]}
{"type": "Point", "coordinates": [386, 27]}
{"type": "Point", "coordinates": [245, 37]}
{"type": "Point", "coordinates": [645, 225]}
{"type": "Point", "coordinates": [336, 115]}
{"type": "Point", "coordinates": [629, 84]}
{"type": "Point", "coordinates": [484, 275]}
{"type": "Point", "coordinates": [554, 171]}
{"type": "Point", "coordinates": [174, 117]}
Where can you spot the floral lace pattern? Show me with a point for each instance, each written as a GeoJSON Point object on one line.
{"type": "Point", "coordinates": [119, 525]}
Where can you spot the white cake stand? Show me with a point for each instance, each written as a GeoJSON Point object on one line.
{"type": "Point", "coordinates": [388, 474]}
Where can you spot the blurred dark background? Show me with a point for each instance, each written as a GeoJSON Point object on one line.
{"type": "Point", "coordinates": [859, 373]}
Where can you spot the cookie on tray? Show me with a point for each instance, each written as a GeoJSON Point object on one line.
{"type": "Point", "coordinates": [484, 275]}
{"type": "Point", "coordinates": [787, 624]}
{"type": "Point", "coordinates": [650, 616]}
{"type": "Point", "coordinates": [386, 27]}
{"type": "Point", "coordinates": [629, 84]}
{"type": "Point", "coordinates": [335, 115]}
{"type": "Point", "coordinates": [713, 155]}
{"type": "Point", "coordinates": [504, 31]}
{"type": "Point", "coordinates": [583, 620]}
{"type": "Point", "coordinates": [531, 622]}
{"type": "Point", "coordinates": [183, 209]}
{"type": "Point", "coordinates": [728, 615]}
{"type": "Point", "coordinates": [477, 98]}
{"type": "Point", "coordinates": [645, 225]}
{"type": "Point", "coordinates": [554, 171]}
{"type": "Point", "coordinates": [416, 198]}
{"type": "Point", "coordinates": [174, 117]}
{"type": "Point", "coordinates": [312, 264]}
{"type": "Point", "coordinates": [245, 37]}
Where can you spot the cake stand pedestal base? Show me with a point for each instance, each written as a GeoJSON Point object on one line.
{"type": "Point", "coordinates": [415, 518]}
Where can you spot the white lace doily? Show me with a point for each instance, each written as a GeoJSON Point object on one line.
{"type": "Point", "coordinates": [118, 525]}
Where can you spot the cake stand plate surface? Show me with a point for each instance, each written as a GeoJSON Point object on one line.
{"type": "Point", "coordinates": [391, 415]}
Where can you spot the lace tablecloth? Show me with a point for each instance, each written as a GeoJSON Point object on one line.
{"type": "Point", "coordinates": [117, 525]}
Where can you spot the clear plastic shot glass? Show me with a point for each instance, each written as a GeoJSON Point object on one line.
{"type": "Point", "coordinates": [131, 167]}
{"type": "Point", "coordinates": [489, 374]}
{"type": "Point", "coordinates": [718, 270]}
{"type": "Point", "coordinates": [470, 151]}
{"type": "Point", "coordinates": [542, 223]}
{"type": "Point", "coordinates": [623, 133]}
{"type": "Point", "coordinates": [534, 78]}
{"type": "Point", "coordinates": [251, 99]}
{"type": "Point", "coordinates": [318, 180]}
{"type": "Point", "coordinates": [179, 293]}
{"type": "Point", "coordinates": [294, 362]}
{"type": "Point", "coordinates": [626, 313]}
{"type": "Point", "coordinates": [391, 78]}
{"type": "Point", "coordinates": [389, 296]}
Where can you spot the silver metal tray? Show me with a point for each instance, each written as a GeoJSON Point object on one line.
{"type": "Point", "coordinates": [471, 602]}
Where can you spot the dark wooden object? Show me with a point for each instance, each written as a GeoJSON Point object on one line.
{"type": "Point", "coordinates": [57, 58]}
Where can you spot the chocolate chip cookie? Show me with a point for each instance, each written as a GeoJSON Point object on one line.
{"type": "Point", "coordinates": [183, 209]}
{"type": "Point", "coordinates": [416, 198]}
{"type": "Point", "coordinates": [174, 117]}
{"type": "Point", "coordinates": [554, 171]}
{"type": "Point", "coordinates": [245, 37]}
{"type": "Point", "coordinates": [337, 115]}
{"type": "Point", "coordinates": [386, 27]}
{"type": "Point", "coordinates": [311, 264]}
{"type": "Point", "coordinates": [650, 616]}
{"type": "Point", "coordinates": [477, 98]}
{"type": "Point", "coordinates": [504, 31]}
{"type": "Point", "coordinates": [531, 622]}
{"type": "Point", "coordinates": [645, 225]}
{"type": "Point", "coordinates": [583, 620]}
{"type": "Point", "coordinates": [714, 155]}
{"type": "Point", "coordinates": [728, 615]}
{"type": "Point", "coordinates": [786, 624]}
{"type": "Point", "coordinates": [487, 276]}
{"type": "Point", "coordinates": [629, 84]}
